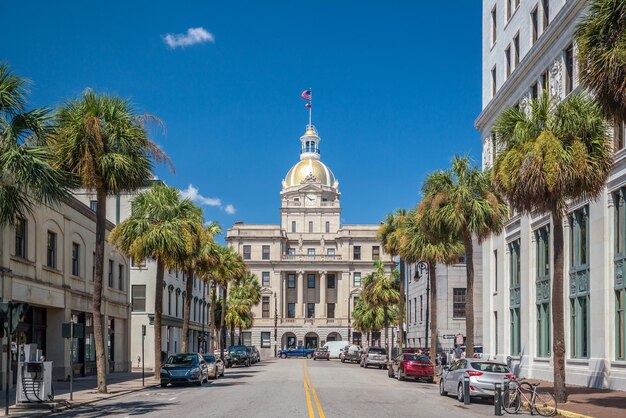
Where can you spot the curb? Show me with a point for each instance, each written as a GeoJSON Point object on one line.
{"type": "Point", "coordinates": [569, 414]}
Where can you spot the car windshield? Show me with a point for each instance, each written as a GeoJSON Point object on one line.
{"type": "Point", "coordinates": [376, 350]}
{"type": "Point", "coordinates": [416, 357]}
{"type": "Point", "coordinates": [209, 358]}
{"type": "Point", "coordinates": [490, 367]}
{"type": "Point", "coordinates": [238, 348]}
{"type": "Point", "coordinates": [183, 360]}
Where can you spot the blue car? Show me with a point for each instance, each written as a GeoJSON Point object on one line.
{"type": "Point", "coordinates": [184, 368]}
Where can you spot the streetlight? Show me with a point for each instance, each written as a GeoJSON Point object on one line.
{"type": "Point", "coordinates": [203, 304]}
{"type": "Point", "coordinates": [349, 321]}
{"type": "Point", "coordinates": [419, 272]}
{"type": "Point", "coordinates": [3, 271]}
{"type": "Point", "coordinates": [275, 323]}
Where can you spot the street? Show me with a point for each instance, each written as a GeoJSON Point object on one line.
{"type": "Point", "coordinates": [290, 388]}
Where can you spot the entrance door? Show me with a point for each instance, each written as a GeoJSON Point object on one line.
{"type": "Point", "coordinates": [310, 342]}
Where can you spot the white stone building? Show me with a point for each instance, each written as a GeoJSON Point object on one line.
{"type": "Point", "coordinates": [47, 261]}
{"type": "Point", "coordinates": [528, 47]}
{"type": "Point", "coordinates": [310, 265]}
{"type": "Point", "coordinates": [142, 296]}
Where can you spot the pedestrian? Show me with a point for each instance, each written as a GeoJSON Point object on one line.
{"type": "Point", "coordinates": [443, 359]}
{"type": "Point", "coordinates": [457, 352]}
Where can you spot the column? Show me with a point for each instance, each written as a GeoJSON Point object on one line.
{"type": "Point", "coordinates": [300, 301]}
{"type": "Point", "coordinates": [322, 311]}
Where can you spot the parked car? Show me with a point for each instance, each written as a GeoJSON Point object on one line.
{"type": "Point", "coordinates": [351, 354]}
{"type": "Point", "coordinates": [238, 355]}
{"type": "Point", "coordinates": [482, 376]}
{"type": "Point", "coordinates": [256, 356]}
{"type": "Point", "coordinates": [321, 353]}
{"type": "Point", "coordinates": [414, 366]}
{"type": "Point", "coordinates": [478, 351]}
{"type": "Point", "coordinates": [374, 356]}
{"type": "Point", "coordinates": [184, 368]}
{"type": "Point", "coordinates": [215, 366]}
{"type": "Point", "coordinates": [335, 347]}
{"type": "Point", "coordinates": [298, 351]}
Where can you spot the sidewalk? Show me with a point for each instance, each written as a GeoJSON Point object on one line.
{"type": "Point", "coordinates": [85, 391]}
{"type": "Point", "coordinates": [584, 401]}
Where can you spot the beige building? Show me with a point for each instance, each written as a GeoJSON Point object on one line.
{"type": "Point", "coordinates": [47, 261]}
{"type": "Point", "coordinates": [310, 266]}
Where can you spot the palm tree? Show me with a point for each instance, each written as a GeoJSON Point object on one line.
{"type": "Point", "coordinates": [382, 290]}
{"type": "Point", "coordinates": [601, 47]}
{"type": "Point", "coordinates": [103, 143]}
{"type": "Point", "coordinates": [555, 153]}
{"type": "Point", "coordinates": [461, 200]}
{"type": "Point", "coordinates": [388, 234]}
{"type": "Point", "coordinates": [26, 174]}
{"type": "Point", "coordinates": [422, 241]}
{"type": "Point", "coordinates": [368, 318]}
{"type": "Point", "coordinates": [245, 293]}
{"type": "Point", "coordinates": [160, 228]}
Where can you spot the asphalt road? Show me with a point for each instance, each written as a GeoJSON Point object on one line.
{"type": "Point", "coordinates": [290, 388]}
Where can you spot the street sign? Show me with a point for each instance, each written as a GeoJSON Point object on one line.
{"type": "Point", "coordinates": [448, 337]}
{"type": "Point", "coordinates": [459, 339]}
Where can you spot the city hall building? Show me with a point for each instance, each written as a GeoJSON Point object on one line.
{"type": "Point", "coordinates": [310, 266]}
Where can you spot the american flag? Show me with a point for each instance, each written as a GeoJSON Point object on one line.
{"type": "Point", "coordinates": [306, 95]}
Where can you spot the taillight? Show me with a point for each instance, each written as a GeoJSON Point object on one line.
{"type": "Point", "coordinates": [510, 376]}
{"type": "Point", "coordinates": [473, 373]}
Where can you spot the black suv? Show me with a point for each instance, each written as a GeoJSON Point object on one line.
{"type": "Point", "coordinates": [238, 355]}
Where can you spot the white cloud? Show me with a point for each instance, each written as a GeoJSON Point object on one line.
{"type": "Point", "coordinates": [230, 209]}
{"type": "Point", "coordinates": [192, 37]}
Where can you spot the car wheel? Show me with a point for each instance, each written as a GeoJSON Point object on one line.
{"type": "Point", "coordinates": [460, 396]}
{"type": "Point", "coordinates": [283, 356]}
{"type": "Point", "coordinates": [163, 385]}
{"type": "Point", "coordinates": [248, 363]}
{"type": "Point", "coordinates": [441, 391]}
{"type": "Point", "coordinates": [199, 382]}
{"type": "Point", "coordinates": [327, 358]}
{"type": "Point", "coordinates": [309, 356]}
{"type": "Point", "coordinates": [430, 380]}
{"type": "Point", "coordinates": [390, 373]}
{"type": "Point", "coordinates": [343, 360]}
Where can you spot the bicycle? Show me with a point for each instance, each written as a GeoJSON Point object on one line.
{"type": "Point", "coordinates": [526, 394]}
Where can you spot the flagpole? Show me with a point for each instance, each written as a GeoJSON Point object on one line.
{"type": "Point", "coordinates": [310, 106]}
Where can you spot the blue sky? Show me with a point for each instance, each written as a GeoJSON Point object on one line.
{"type": "Point", "coordinates": [396, 88]}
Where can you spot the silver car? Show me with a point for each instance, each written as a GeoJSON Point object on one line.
{"type": "Point", "coordinates": [482, 377]}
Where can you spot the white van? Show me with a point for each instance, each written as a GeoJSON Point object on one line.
{"type": "Point", "coordinates": [334, 347]}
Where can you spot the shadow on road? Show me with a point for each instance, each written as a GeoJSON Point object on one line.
{"type": "Point", "coordinates": [126, 408]}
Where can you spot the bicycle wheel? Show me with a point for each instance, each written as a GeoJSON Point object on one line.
{"type": "Point", "coordinates": [525, 394]}
{"type": "Point", "coordinates": [511, 401]}
{"type": "Point", "coordinates": [545, 403]}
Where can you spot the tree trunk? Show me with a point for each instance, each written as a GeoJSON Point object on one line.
{"type": "Point", "coordinates": [401, 309]}
{"type": "Point", "coordinates": [212, 315]}
{"type": "Point", "coordinates": [98, 323]}
{"type": "Point", "coordinates": [558, 312]}
{"type": "Point", "coordinates": [187, 309]}
{"type": "Point", "coordinates": [223, 322]}
{"type": "Point", "coordinates": [232, 335]}
{"type": "Point", "coordinates": [469, 297]}
{"type": "Point", "coordinates": [432, 278]}
{"type": "Point", "coordinates": [369, 341]}
{"type": "Point", "coordinates": [386, 317]}
{"type": "Point", "coordinates": [240, 336]}
{"type": "Point", "coordinates": [158, 315]}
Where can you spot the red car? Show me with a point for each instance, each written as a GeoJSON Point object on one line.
{"type": "Point", "coordinates": [414, 366]}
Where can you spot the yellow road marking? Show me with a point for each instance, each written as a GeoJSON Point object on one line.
{"type": "Point", "coordinates": [320, 411]}
{"type": "Point", "coordinates": [308, 395]}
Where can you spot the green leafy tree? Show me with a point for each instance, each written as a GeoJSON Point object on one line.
{"type": "Point", "coordinates": [555, 153]}
{"type": "Point", "coordinates": [161, 228]}
{"type": "Point", "coordinates": [461, 200]}
{"type": "Point", "coordinates": [367, 318]}
{"type": "Point", "coordinates": [244, 294]}
{"type": "Point", "coordinates": [26, 173]}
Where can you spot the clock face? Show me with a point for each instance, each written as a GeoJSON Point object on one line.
{"type": "Point", "coordinates": [310, 199]}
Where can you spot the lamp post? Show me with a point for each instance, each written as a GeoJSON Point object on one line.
{"type": "Point", "coordinates": [7, 320]}
{"type": "Point", "coordinates": [349, 320]}
{"type": "Point", "coordinates": [419, 272]}
{"type": "Point", "coordinates": [203, 341]}
{"type": "Point", "coordinates": [275, 324]}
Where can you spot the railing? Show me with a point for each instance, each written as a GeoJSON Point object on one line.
{"type": "Point", "coordinates": [314, 321]}
{"type": "Point", "coordinates": [310, 149]}
{"type": "Point", "coordinates": [307, 257]}
{"type": "Point", "coordinates": [328, 203]}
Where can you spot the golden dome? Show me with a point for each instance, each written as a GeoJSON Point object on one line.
{"type": "Point", "coordinates": [310, 170]}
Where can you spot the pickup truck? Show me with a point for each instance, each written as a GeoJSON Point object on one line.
{"type": "Point", "coordinates": [299, 351]}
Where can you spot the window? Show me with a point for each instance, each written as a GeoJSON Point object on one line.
{"type": "Point", "coordinates": [495, 271]}
{"type": "Point", "coordinates": [542, 285]}
{"type": "Point", "coordinates": [618, 136]}
{"type": "Point", "coordinates": [265, 278]}
{"type": "Point", "coordinates": [409, 310]}
{"type": "Point", "coordinates": [357, 252]}
{"type": "Point", "coordinates": [545, 81]}
{"type": "Point", "coordinates": [310, 310]}
{"type": "Point", "coordinates": [515, 297]}
{"type": "Point", "coordinates": [494, 25]}
{"type": "Point", "coordinates": [310, 279]}
{"type": "Point", "coordinates": [291, 310]}
{"type": "Point", "coordinates": [51, 250]}
{"type": "Point", "coordinates": [569, 69]}
{"type": "Point", "coordinates": [534, 30]}
{"type": "Point", "coordinates": [266, 339]}
{"type": "Point", "coordinates": [138, 295]}
{"type": "Point", "coordinates": [265, 307]}
{"type": "Point", "coordinates": [75, 259]}
{"type": "Point", "coordinates": [356, 338]}
{"type": "Point", "coordinates": [495, 332]}
{"type": "Point", "coordinates": [93, 266]}
{"type": "Point", "coordinates": [330, 282]}
{"type": "Point", "coordinates": [507, 59]}
{"type": "Point", "coordinates": [291, 251]}
{"type": "Point", "coordinates": [330, 251]}
{"type": "Point", "coordinates": [327, 227]}
{"type": "Point", "coordinates": [120, 276]}
{"type": "Point", "coordinates": [293, 226]}
{"type": "Point", "coordinates": [111, 273]}
{"type": "Point", "coordinates": [509, 12]}
{"type": "Point", "coordinates": [545, 5]}
{"type": "Point", "coordinates": [579, 283]}
{"type": "Point", "coordinates": [534, 91]}
{"type": "Point", "coordinates": [246, 336]}
{"type": "Point", "coordinates": [176, 301]}
{"type": "Point", "coordinates": [310, 251]}
{"type": "Point", "coordinates": [421, 308]}
{"type": "Point", "coordinates": [376, 252]}
{"type": "Point", "coordinates": [516, 50]}
{"type": "Point", "coordinates": [266, 252]}
{"type": "Point", "coordinates": [169, 301]}
{"type": "Point", "coordinates": [330, 310]}
{"type": "Point", "coordinates": [93, 205]}
{"type": "Point", "coordinates": [20, 237]}
{"type": "Point", "coordinates": [461, 259]}
{"type": "Point", "coordinates": [619, 272]}
{"type": "Point", "coordinates": [310, 227]}
{"type": "Point", "coordinates": [493, 81]}
{"type": "Point", "coordinates": [458, 302]}
{"type": "Point", "coordinates": [134, 263]}
{"type": "Point", "coordinates": [357, 279]}
{"type": "Point", "coordinates": [247, 254]}
{"type": "Point", "coordinates": [291, 281]}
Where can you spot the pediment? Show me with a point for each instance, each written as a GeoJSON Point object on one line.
{"type": "Point", "coordinates": [266, 291]}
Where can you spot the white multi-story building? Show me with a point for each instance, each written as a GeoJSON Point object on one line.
{"type": "Point", "coordinates": [142, 296]}
{"type": "Point", "coordinates": [451, 302]}
{"type": "Point", "coordinates": [47, 261]}
{"type": "Point", "coordinates": [310, 266]}
{"type": "Point", "coordinates": [528, 46]}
